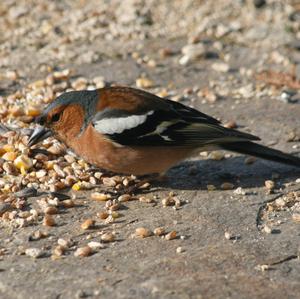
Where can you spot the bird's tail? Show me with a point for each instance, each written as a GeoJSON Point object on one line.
{"type": "Point", "coordinates": [254, 149]}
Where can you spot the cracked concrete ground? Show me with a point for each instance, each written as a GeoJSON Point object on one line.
{"type": "Point", "coordinates": [253, 263]}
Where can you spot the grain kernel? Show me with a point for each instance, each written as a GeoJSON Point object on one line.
{"type": "Point", "coordinates": [171, 235]}
{"type": "Point", "coordinates": [9, 156]}
{"type": "Point", "coordinates": [296, 217]}
{"type": "Point", "coordinates": [87, 224]}
{"type": "Point", "coordinates": [68, 203]}
{"type": "Point", "coordinates": [51, 210]}
{"type": "Point", "coordinates": [100, 196]}
{"type": "Point", "coordinates": [76, 186]}
{"type": "Point", "coordinates": [227, 186]}
{"type": "Point", "coordinates": [83, 251]}
{"type": "Point", "coordinates": [270, 185]}
{"type": "Point", "coordinates": [108, 237]}
{"type": "Point", "coordinates": [102, 215]}
{"type": "Point", "coordinates": [143, 232]}
{"type": "Point", "coordinates": [211, 187]}
{"type": "Point", "coordinates": [143, 83]}
{"type": "Point", "coordinates": [48, 220]}
{"type": "Point", "coordinates": [33, 111]}
{"type": "Point", "coordinates": [159, 231]}
{"type": "Point", "coordinates": [124, 197]}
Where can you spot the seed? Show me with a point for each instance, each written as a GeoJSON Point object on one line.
{"type": "Point", "coordinates": [143, 232]}
{"type": "Point", "coordinates": [48, 220]}
{"type": "Point", "coordinates": [99, 82]}
{"type": "Point", "coordinates": [9, 156]}
{"type": "Point", "coordinates": [179, 249]}
{"type": "Point", "coordinates": [110, 182]}
{"type": "Point", "coordinates": [41, 173]}
{"type": "Point", "coordinates": [143, 83]}
{"type": "Point", "coordinates": [114, 214]}
{"type": "Point", "coordinates": [70, 159]}
{"type": "Point", "coordinates": [227, 186]}
{"type": "Point", "coordinates": [102, 215]}
{"type": "Point", "coordinates": [33, 111]}
{"type": "Point", "coordinates": [168, 201]}
{"type": "Point", "coordinates": [270, 185]}
{"type": "Point", "coordinates": [211, 187]}
{"type": "Point", "coordinates": [296, 217]}
{"type": "Point", "coordinates": [34, 252]}
{"type": "Point", "coordinates": [51, 210]}
{"type": "Point", "coordinates": [144, 186]}
{"type": "Point", "coordinates": [108, 237]}
{"type": "Point", "coordinates": [76, 186]}
{"type": "Point", "coordinates": [146, 199]}
{"type": "Point", "coordinates": [159, 231]}
{"type": "Point", "coordinates": [228, 236]}
{"type": "Point", "coordinates": [59, 171]}
{"type": "Point", "coordinates": [56, 149]}
{"type": "Point", "coordinates": [95, 245]}
{"type": "Point", "coordinates": [87, 224]}
{"type": "Point", "coordinates": [64, 243]}
{"type": "Point", "coordinates": [83, 251]}
{"type": "Point", "coordinates": [124, 198]}
{"type": "Point", "coordinates": [216, 155]}
{"type": "Point", "coordinates": [171, 235]}
{"type": "Point", "coordinates": [231, 124]}
{"type": "Point", "coordinates": [100, 196]}
{"type": "Point", "coordinates": [23, 162]}
{"type": "Point", "coordinates": [59, 250]}
{"type": "Point", "coordinates": [68, 203]}
{"type": "Point", "coordinates": [114, 207]}
{"type": "Point", "coordinates": [37, 235]}
{"type": "Point", "coordinates": [98, 175]}
{"type": "Point", "coordinates": [16, 111]}
{"type": "Point", "coordinates": [8, 148]}
{"type": "Point", "coordinates": [9, 168]}
{"type": "Point", "coordinates": [267, 229]}
{"type": "Point", "coordinates": [109, 219]}
{"type": "Point", "coordinates": [62, 75]}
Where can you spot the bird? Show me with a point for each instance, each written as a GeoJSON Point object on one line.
{"type": "Point", "coordinates": [130, 131]}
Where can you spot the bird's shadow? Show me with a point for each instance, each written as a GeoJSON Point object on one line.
{"type": "Point", "coordinates": [197, 174]}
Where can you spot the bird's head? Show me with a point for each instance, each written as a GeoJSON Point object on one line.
{"type": "Point", "coordinates": [65, 117]}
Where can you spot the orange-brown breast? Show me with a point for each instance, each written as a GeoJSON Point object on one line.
{"type": "Point", "coordinates": [97, 150]}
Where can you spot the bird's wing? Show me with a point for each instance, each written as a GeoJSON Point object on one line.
{"type": "Point", "coordinates": [165, 123]}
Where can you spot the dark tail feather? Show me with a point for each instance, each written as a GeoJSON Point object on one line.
{"type": "Point", "coordinates": [254, 149]}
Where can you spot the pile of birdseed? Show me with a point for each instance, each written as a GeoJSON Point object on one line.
{"type": "Point", "coordinates": [45, 171]}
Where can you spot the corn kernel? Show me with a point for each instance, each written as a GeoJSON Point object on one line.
{"type": "Point", "coordinates": [8, 148]}
{"type": "Point", "coordinates": [33, 111]}
{"type": "Point", "coordinates": [76, 187]}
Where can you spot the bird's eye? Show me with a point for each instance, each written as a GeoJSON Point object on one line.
{"type": "Point", "coordinates": [55, 117]}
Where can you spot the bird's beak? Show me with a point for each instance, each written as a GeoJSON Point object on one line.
{"type": "Point", "coordinates": [39, 134]}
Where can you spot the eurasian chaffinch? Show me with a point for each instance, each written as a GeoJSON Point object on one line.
{"type": "Point", "coordinates": [130, 131]}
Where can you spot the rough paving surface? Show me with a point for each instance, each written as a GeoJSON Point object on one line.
{"type": "Point", "coordinates": [230, 244]}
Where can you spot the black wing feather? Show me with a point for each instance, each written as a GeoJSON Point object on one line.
{"type": "Point", "coordinates": [173, 124]}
